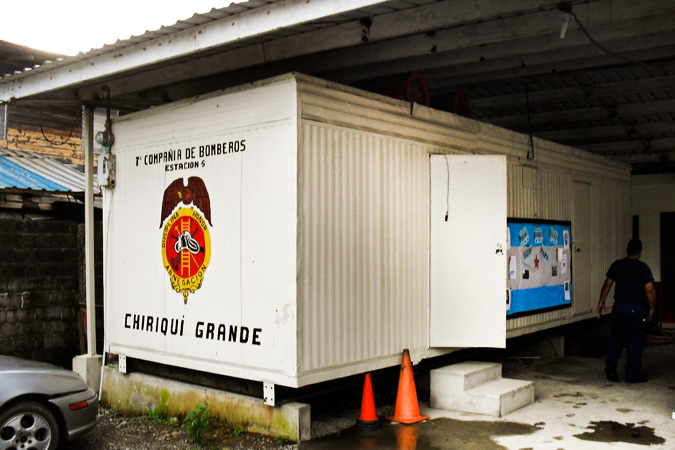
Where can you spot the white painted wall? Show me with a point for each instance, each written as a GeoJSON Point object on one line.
{"type": "Point", "coordinates": [240, 320]}
{"type": "Point", "coordinates": [321, 234]}
{"type": "Point", "coordinates": [652, 195]}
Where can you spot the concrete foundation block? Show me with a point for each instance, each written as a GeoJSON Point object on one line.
{"type": "Point", "coordinates": [139, 393]}
{"type": "Point", "coordinates": [89, 368]}
{"type": "Point", "coordinates": [548, 348]}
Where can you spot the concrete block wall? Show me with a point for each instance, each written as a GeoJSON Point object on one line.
{"type": "Point", "coordinates": [98, 262]}
{"type": "Point", "coordinates": [39, 290]}
{"type": "Point", "coordinates": [98, 282]}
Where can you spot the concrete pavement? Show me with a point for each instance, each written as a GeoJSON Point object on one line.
{"type": "Point", "coordinates": [575, 407]}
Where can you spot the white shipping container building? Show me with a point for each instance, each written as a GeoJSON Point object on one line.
{"type": "Point", "coordinates": [293, 231]}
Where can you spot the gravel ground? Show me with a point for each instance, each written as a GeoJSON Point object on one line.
{"type": "Point", "coordinates": [116, 431]}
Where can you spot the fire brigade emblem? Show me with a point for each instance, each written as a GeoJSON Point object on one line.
{"type": "Point", "coordinates": [186, 244]}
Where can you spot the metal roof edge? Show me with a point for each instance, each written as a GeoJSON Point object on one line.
{"type": "Point", "coordinates": [209, 30]}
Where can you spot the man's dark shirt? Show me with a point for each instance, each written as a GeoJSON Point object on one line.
{"type": "Point", "coordinates": [630, 276]}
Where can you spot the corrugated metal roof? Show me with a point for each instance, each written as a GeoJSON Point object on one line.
{"type": "Point", "coordinates": [216, 14]}
{"type": "Point", "coordinates": [23, 170]}
{"type": "Point", "coordinates": [192, 22]}
{"type": "Point", "coordinates": [506, 59]}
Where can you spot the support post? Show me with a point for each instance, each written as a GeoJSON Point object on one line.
{"type": "Point", "coordinates": [90, 272]}
{"type": "Point", "coordinates": [89, 365]}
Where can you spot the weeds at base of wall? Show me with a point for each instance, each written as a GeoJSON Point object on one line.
{"type": "Point", "coordinates": [283, 440]}
{"type": "Point", "coordinates": [161, 418]}
{"type": "Point", "coordinates": [196, 423]}
{"type": "Point", "coordinates": [236, 431]}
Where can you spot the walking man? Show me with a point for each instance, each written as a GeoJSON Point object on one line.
{"type": "Point", "coordinates": [634, 291]}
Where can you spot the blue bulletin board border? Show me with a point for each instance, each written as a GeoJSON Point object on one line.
{"type": "Point", "coordinates": [550, 295]}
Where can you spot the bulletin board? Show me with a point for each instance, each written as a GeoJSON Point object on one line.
{"type": "Point", "coordinates": [539, 266]}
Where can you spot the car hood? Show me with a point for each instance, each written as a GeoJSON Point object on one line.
{"type": "Point", "coordinates": [20, 377]}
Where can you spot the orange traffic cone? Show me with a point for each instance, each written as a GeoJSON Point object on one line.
{"type": "Point", "coordinates": [407, 409]}
{"type": "Point", "coordinates": [368, 419]}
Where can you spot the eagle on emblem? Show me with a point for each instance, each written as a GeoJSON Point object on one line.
{"type": "Point", "coordinates": [195, 192]}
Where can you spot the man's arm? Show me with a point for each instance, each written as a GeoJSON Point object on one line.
{"type": "Point", "coordinates": [651, 297]}
{"type": "Point", "coordinates": [606, 287]}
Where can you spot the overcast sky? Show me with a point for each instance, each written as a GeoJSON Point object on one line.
{"type": "Point", "coordinates": [71, 26]}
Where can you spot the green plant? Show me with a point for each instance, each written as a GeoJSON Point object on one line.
{"type": "Point", "coordinates": [236, 431]}
{"type": "Point", "coordinates": [196, 423]}
{"type": "Point", "coordinates": [283, 440]}
{"type": "Point", "coordinates": [157, 416]}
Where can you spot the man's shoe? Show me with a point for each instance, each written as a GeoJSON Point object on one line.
{"type": "Point", "coordinates": [611, 374]}
{"type": "Point", "coordinates": [636, 379]}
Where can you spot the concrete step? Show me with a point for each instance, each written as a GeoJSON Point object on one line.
{"type": "Point", "coordinates": [474, 388]}
{"type": "Point", "coordinates": [468, 375]}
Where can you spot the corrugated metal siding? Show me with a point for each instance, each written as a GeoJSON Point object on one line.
{"type": "Point", "coordinates": [555, 194]}
{"type": "Point", "coordinates": [541, 194]}
{"type": "Point", "coordinates": [611, 235]}
{"type": "Point", "coordinates": [610, 227]}
{"type": "Point", "coordinates": [374, 142]}
{"type": "Point", "coordinates": [521, 199]}
{"type": "Point", "coordinates": [363, 234]}
{"type": "Point", "coordinates": [24, 170]}
{"type": "Point", "coordinates": [542, 189]}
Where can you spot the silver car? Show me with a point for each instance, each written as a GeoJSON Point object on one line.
{"type": "Point", "coordinates": [42, 405]}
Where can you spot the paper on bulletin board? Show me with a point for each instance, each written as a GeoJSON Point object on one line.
{"type": "Point", "coordinates": [538, 236]}
{"type": "Point", "coordinates": [538, 271]}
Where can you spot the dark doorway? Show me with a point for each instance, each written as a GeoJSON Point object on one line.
{"type": "Point", "coordinates": [668, 260]}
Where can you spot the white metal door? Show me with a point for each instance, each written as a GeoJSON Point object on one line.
{"type": "Point", "coordinates": [582, 297]}
{"type": "Point", "coordinates": [468, 251]}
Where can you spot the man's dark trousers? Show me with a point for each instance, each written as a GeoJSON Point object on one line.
{"type": "Point", "coordinates": [627, 325]}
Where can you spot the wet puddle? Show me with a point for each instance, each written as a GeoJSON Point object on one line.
{"type": "Point", "coordinates": [608, 431]}
{"type": "Point", "coordinates": [432, 434]}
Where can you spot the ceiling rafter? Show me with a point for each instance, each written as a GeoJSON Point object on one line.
{"type": "Point", "coordinates": [598, 112]}
{"type": "Point", "coordinates": [578, 92]}
{"type": "Point", "coordinates": [571, 135]}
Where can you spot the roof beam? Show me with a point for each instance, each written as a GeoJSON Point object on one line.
{"type": "Point", "coordinates": [576, 92]}
{"type": "Point", "coordinates": [349, 36]}
{"type": "Point", "coordinates": [420, 20]}
{"type": "Point", "coordinates": [661, 151]}
{"type": "Point", "coordinates": [573, 115]}
{"type": "Point", "coordinates": [631, 146]}
{"type": "Point", "coordinates": [572, 135]}
{"type": "Point", "coordinates": [485, 40]}
{"type": "Point", "coordinates": [578, 59]}
{"type": "Point", "coordinates": [352, 34]}
{"type": "Point", "coordinates": [511, 57]}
